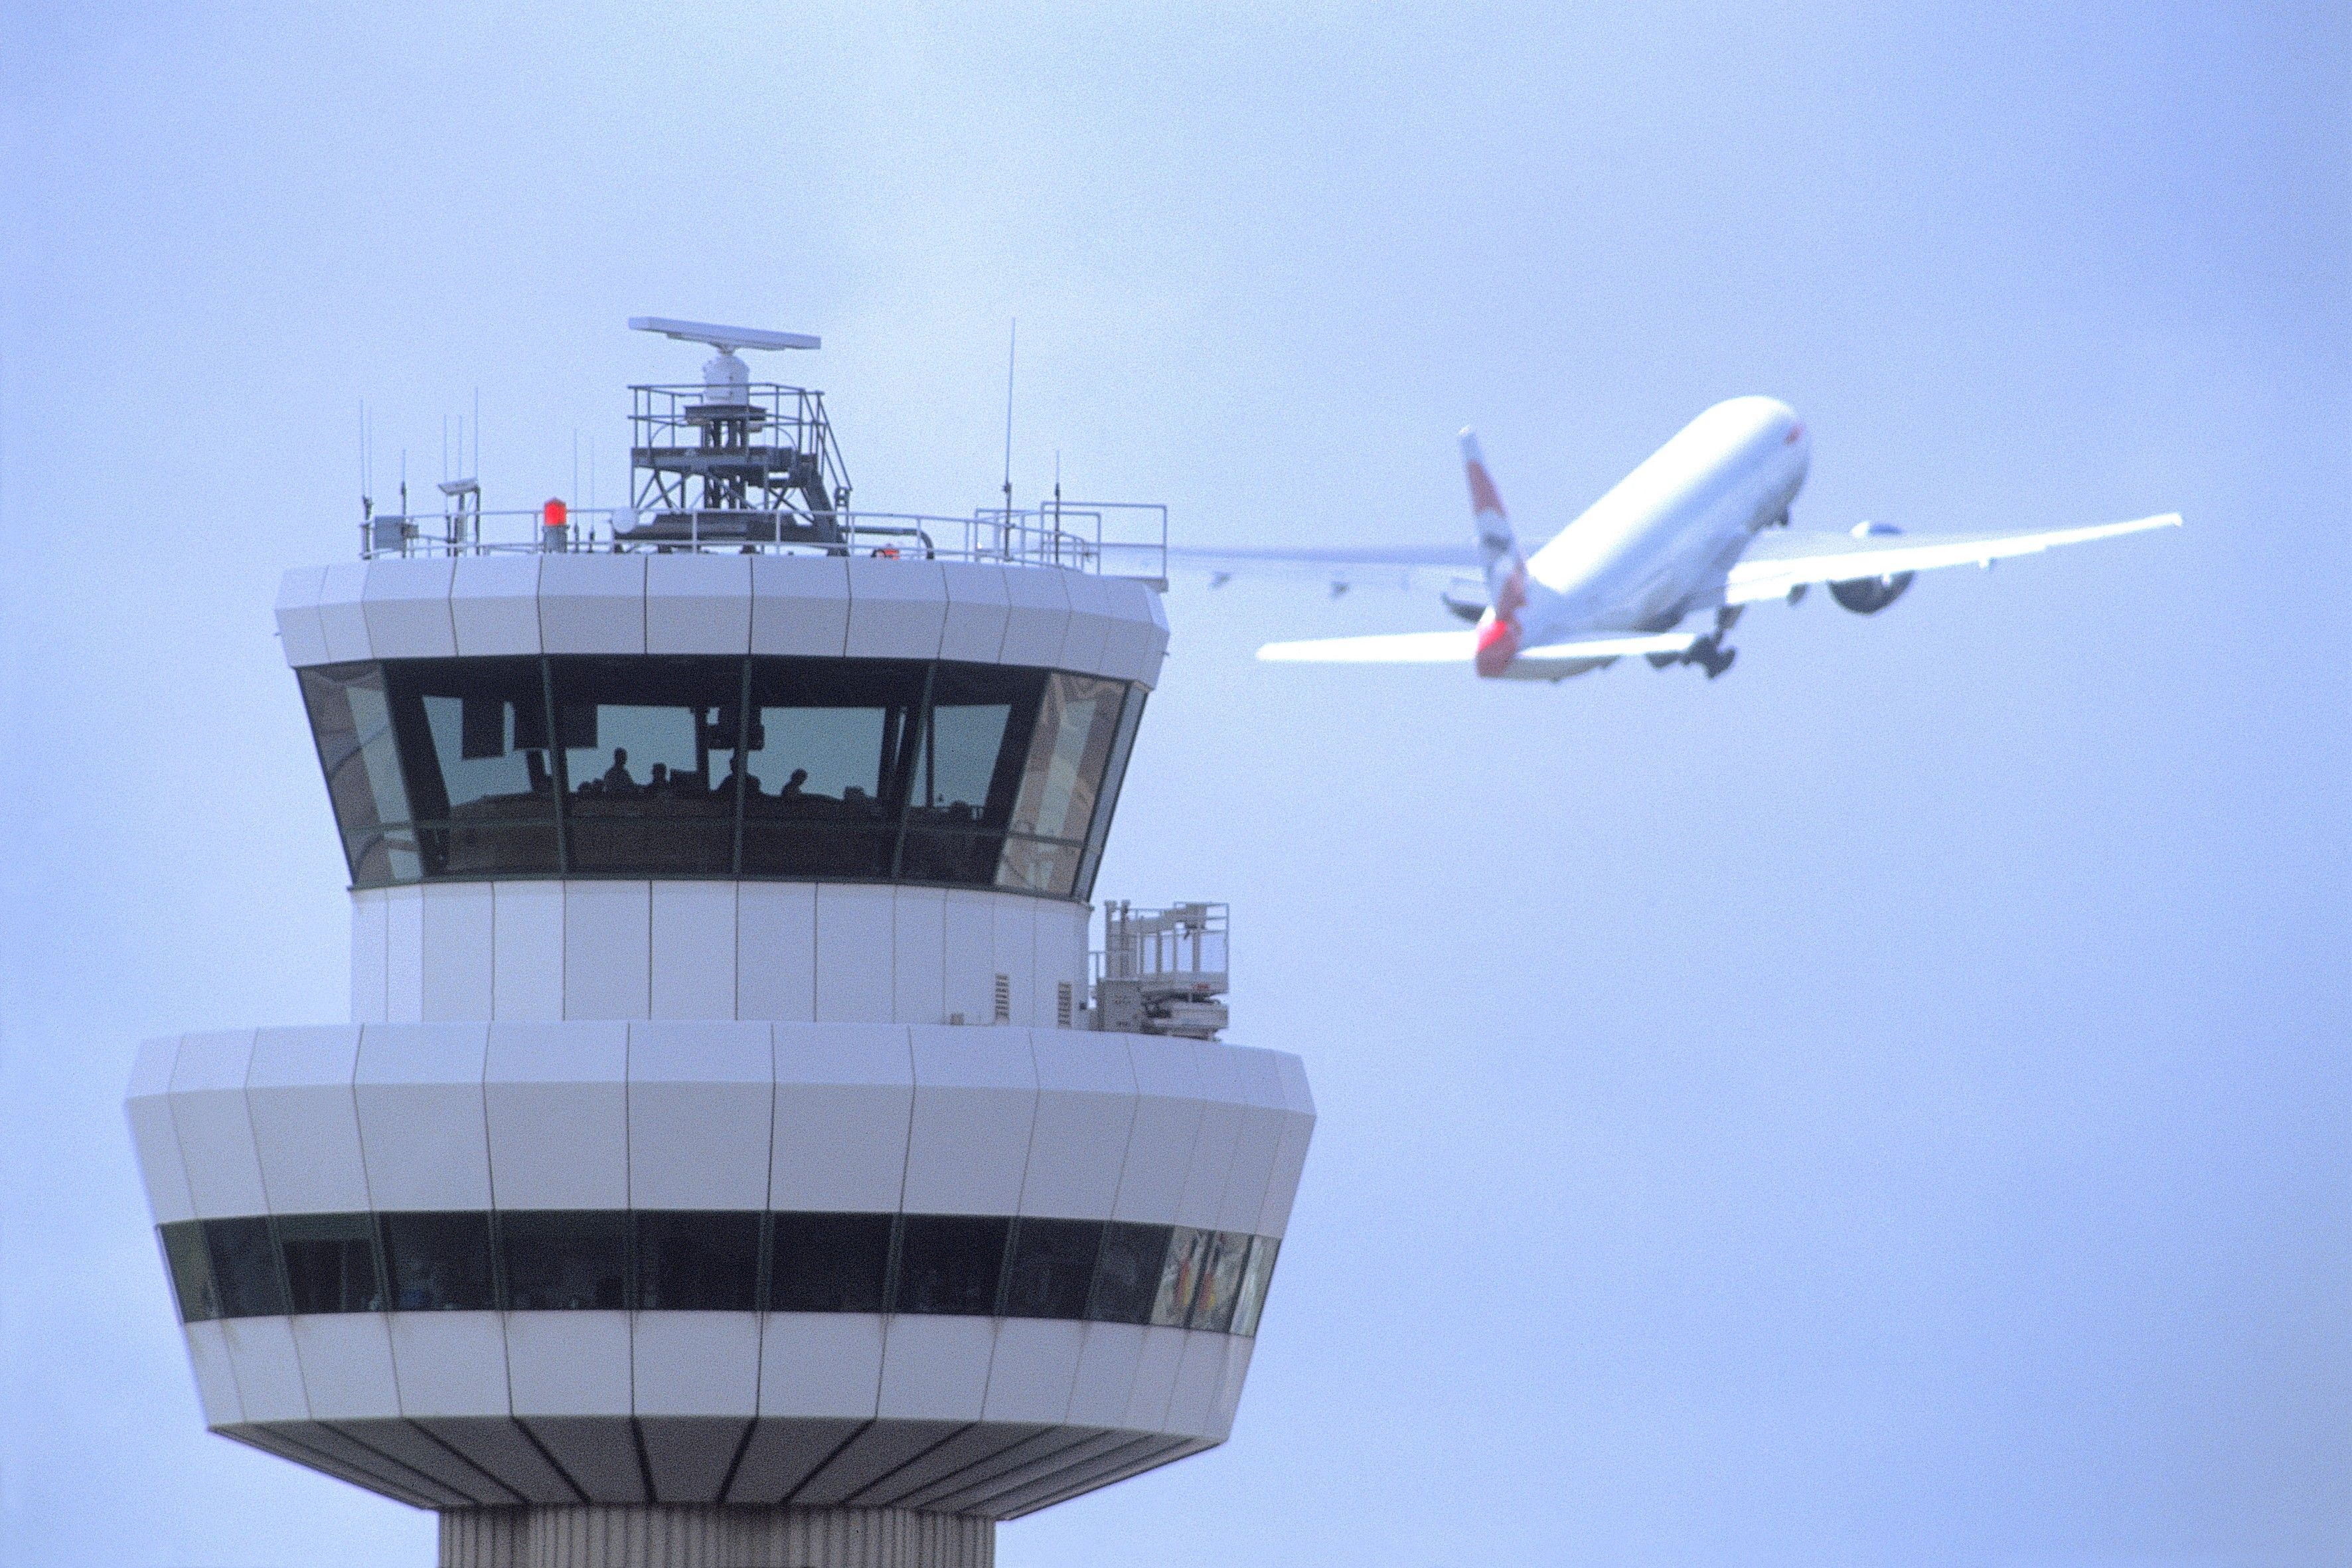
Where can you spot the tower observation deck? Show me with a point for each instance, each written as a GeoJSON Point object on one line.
{"type": "Point", "coordinates": [733, 1156]}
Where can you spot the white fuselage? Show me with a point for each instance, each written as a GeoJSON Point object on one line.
{"type": "Point", "coordinates": [1657, 546]}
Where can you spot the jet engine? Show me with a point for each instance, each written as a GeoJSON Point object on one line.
{"type": "Point", "coordinates": [1868, 596]}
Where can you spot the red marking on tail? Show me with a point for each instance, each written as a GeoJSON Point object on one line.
{"type": "Point", "coordinates": [1498, 643]}
{"type": "Point", "coordinates": [1482, 490]}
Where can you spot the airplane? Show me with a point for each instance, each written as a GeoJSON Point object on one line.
{"type": "Point", "coordinates": [1700, 528]}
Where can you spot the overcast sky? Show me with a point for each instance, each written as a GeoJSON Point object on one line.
{"type": "Point", "coordinates": [1889, 1106]}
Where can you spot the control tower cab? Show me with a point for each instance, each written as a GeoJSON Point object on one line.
{"type": "Point", "coordinates": [733, 1157]}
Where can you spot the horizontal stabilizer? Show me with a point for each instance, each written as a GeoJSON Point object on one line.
{"type": "Point", "coordinates": [1456, 647]}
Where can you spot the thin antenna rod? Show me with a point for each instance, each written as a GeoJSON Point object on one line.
{"type": "Point", "coordinates": [1011, 349]}
{"type": "Point", "coordinates": [575, 465]}
{"type": "Point", "coordinates": [476, 471]}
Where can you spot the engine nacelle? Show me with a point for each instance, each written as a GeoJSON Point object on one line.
{"type": "Point", "coordinates": [1868, 596]}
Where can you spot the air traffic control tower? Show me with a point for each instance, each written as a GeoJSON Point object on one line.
{"type": "Point", "coordinates": [734, 1157]}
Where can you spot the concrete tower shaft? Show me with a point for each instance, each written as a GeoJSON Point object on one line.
{"type": "Point", "coordinates": [723, 1161]}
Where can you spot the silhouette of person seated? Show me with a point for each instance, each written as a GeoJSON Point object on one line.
{"type": "Point", "coordinates": [616, 777]}
{"type": "Point", "coordinates": [748, 782]}
{"type": "Point", "coordinates": [661, 782]}
{"type": "Point", "coordinates": [792, 790]}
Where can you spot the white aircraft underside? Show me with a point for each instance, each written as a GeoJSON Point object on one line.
{"type": "Point", "coordinates": [1690, 531]}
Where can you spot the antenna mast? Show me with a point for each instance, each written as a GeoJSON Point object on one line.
{"type": "Point", "coordinates": [1011, 349]}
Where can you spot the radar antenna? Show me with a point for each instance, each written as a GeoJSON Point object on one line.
{"type": "Point", "coordinates": [739, 461]}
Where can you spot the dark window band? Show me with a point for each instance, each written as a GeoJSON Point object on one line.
{"type": "Point", "coordinates": [651, 1261]}
{"type": "Point", "coordinates": [803, 769]}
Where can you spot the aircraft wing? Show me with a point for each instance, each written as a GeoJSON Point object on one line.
{"type": "Point", "coordinates": [1430, 566]}
{"type": "Point", "coordinates": [1777, 563]}
{"type": "Point", "coordinates": [1457, 647]}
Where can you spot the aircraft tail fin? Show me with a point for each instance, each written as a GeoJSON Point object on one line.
{"type": "Point", "coordinates": [1505, 563]}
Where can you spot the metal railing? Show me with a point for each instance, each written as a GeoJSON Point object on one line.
{"type": "Point", "coordinates": [1114, 539]}
{"type": "Point", "coordinates": [1159, 971]}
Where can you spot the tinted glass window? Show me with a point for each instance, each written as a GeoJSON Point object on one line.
{"type": "Point", "coordinates": [1220, 1280]}
{"type": "Point", "coordinates": [1180, 1277]}
{"type": "Point", "coordinates": [839, 769]}
{"type": "Point", "coordinates": [437, 1262]}
{"type": "Point", "coordinates": [949, 1263]}
{"type": "Point", "coordinates": [475, 734]}
{"type": "Point", "coordinates": [829, 757]}
{"type": "Point", "coordinates": [830, 1263]}
{"type": "Point", "coordinates": [1053, 1268]}
{"type": "Point", "coordinates": [350, 718]}
{"type": "Point", "coordinates": [1127, 1275]}
{"type": "Point", "coordinates": [564, 1260]}
{"type": "Point", "coordinates": [1122, 747]}
{"type": "Point", "coordinates": [330, 1263]}
{"type": "Point", "coordinates": [245, 1268]}
{"type": "Point", "coordinates": [1255, 1277]}
{"type": "Point", "coordinates": [649, 758]}
{"type": "Point", "coordinates": [966, 769]}
{"type": "Point", "coordinates": [191, 1270]}
{"type": "Point", "coordinates": [698, 1262]}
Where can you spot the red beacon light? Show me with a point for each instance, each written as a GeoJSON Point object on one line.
{"type": "Point", "coordinates": [553, 515]}
{"type": "Point", "coordinates": [553, 520]}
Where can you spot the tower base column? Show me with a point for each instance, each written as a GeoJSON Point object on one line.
{"type": "Point", "coordinates": [677, 1536]}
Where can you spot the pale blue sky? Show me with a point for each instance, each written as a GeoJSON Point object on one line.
{"type": "Point", "coordinates": [1886, 1107]}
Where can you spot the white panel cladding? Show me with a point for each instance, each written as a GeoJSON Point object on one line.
{"type": "Point", "coordinates": [693, 950]}
{"type": "Point", "coordinates": [1155, 1379]}
{"type": "Point", "coordinates": [346, 1358]}
{"type": "Point", "coordinates": [1159, 639]}
{"type": "Point", "coordinates": [1200, 1378]}
{"type": "Point", "coordinates": [1254, 1150]}
{"type": "Point", "coordinates": [1167, 1113]}
{"type": "Point", "coordinates": [527, 950]}
{"type": "Point", "coordinates": [215, 1380]}
{"type": "Point", "coordinates": [975, 1099]}
{"type": "Point", "coordinates": [1105, 1381]}
{"type": "Point", "coordinates": [853, 954]}
{"type": "Point", "coordinates": [268, 1373]}
{"type": "Point", "coordinates": [368, 938]}
{"type": "Point", "coordinates": [800, 605]}
{"type": "Point", "coordinates": [845, 1095]}
{"type": "Point", "coordinates": [449, 1364]}
{"type": "Point", "coordinates": [460, 947]}
{"type": "Point", "coordinates": [1016, 955]}
{"type": "Point", "coordinates": [698, 604]}
{"type": "Point", "coordinates": [422, 1129]}
{"type": "Point", "coordinates": [148, 1105]}
{"type": "Point", "coordinates": [494, 605]}
{"type": "Point", "coordinates": [1092, 610]}
{"type": "Point", "coordinates": [1220, 1131]}
{"type": "Point", "coordinates": [978, 607]}
{"type": "Point", "coordinates": [935, 1368]}
{"type": "Point", "coordinates": [593, 603]}
{"type": "Point", "coordinates": [1085, 1104]}
{"type": "Point", "coordinates": [1035, 1367]}
{"type": "Point", "coordinates": [557, 1097]}
{"type": "Point", "coordinates": [1290, 1154]}
{"type": "Point", "coordinates": [1061, 959]}
{"type": "Point", "coordinates": [1037, 615]}
{"type": "Point", "coordinates": [306, 1126]}
{"type": "Point", "coordinates": [568, 1364]}
{"type": "Point", "coordinates": [970, 940]}
{"type": "Point", "coordinates": [919, 955]}
{"type": "Point", "coordinates": [775, 951]}
{"type": "Point", "coordinates": [403, 956]}
{"type": "Point", "coordinates": [898, 609]}
{"type": "Point", "coordinates": [701, 1107]}
{"type": "Point", "coordinates": [607, 950]}
{"type": "Point", "coordinates": [697, 1363]}
{"type": "Point", "coordinates": [406, 605]}
{"type": "Point", "coordinates": [343, 612]}
{"type": "Point", "coordinates": [821, 1364]}
{"type": "Point", "coordinates": [299, 631]}
{"type": "Point", "coordinates": [1130, 645]}
{"type": "Point", "coordinates": [215, 1132]}
{"type": "Point", "coordinates": [1229, 1392]}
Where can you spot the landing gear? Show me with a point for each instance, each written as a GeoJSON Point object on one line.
{"type": "Point", "coordinates": [1716, 659]}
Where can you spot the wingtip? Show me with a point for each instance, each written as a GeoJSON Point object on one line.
{"type": "Point", "coordinates": [1470, 453]}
